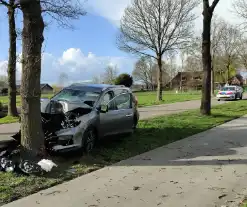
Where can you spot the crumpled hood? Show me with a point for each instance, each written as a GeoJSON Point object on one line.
{"type": "Point", "coordinates": [56, 107]}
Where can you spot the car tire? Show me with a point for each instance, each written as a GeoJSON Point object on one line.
{"type": "Point", "coordinates": [89, 140]}
{"type": "Point", "coordinates": [241, 97]}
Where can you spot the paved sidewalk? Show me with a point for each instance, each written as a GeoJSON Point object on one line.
{"type": "Point", "coordinates": [204, 170]}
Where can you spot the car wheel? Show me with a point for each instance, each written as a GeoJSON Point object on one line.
{"type": "Point", "coordinates": [89, 140]}
{"type": "Point", "coordinates": [241, 97]}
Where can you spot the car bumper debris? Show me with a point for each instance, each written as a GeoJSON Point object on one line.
{"type": "Point", "coordinates": [62, 132]}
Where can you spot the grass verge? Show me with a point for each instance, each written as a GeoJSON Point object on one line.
{"type": "Point", "coordinates": [243, 204]}
{"type": "Point", "coordinates": [151, 134]}
{"type": "Point", "coordinates": [149, 98]}
{"type": "Point", "coordinates": [4, 99]}
{"type": "Point", "coordinates": [8, 120]}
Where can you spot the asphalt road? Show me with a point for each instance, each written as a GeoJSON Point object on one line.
{"type": "Point", "coordinates": [6, 130]}
{"type": "Point", "coordinates": [166, 109]}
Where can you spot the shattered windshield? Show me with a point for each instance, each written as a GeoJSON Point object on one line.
{"type": "Point", "coordinates": [71, 95]}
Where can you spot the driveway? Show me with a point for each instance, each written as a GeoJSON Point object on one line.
{"type": "Point", "coordinates": [6, 130]}
{"type": "Point", "coordinates": [206, 170]}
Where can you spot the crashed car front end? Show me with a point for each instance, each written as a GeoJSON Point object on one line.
{"type": "Point", "coordinates": [64, 124]}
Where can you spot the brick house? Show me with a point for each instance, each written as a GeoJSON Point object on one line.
{"type": "Point", "coordinates": [187, 80]}
{"type": "Point", "coordinates": [45, 88]}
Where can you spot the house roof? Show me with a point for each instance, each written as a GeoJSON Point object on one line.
{"type": "Point", "coordinates": [41, 85]}
{"type": "Point", "coordinates": [189, 73]}
{"type": "Point", "coordinates": [45, 84]}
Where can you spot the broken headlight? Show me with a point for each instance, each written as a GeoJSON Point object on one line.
{"type": "Point", "coordinates": [56, 107]}
{"type": "Point", "coordinates": [65, 140]}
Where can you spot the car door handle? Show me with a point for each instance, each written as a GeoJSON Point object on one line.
{"type": "Point", "coordinates": [128, 115]}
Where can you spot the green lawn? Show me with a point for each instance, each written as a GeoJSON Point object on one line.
{"type": "Point", "coordinates": [8, 120]}
{"type": "Point", "coordinates": [243, 203]}
{"type": "Point", "coordinates": [149, 98]}
{"type": "Point", "coordinates": [151, 134]}
{"type": "Point", "coordinates": [4, 99]}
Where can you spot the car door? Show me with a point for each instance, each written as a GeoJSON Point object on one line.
{"type": "Point", "coordinates": [108, 121]}
{"type": "Point", "coordinates": [124, 111]}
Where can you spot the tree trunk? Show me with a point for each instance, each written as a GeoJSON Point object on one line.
{"type": "Point", "coordinates": [32, 136]}
{"type": "Point", "coordinates": [159, 78]}
{"type": "Point", "coordinates": [181, 81]}
{"type": "Point", "coordinates": [212, 80]}
{"type": "Point", "coordinates": [12, 110]}
{"type": "Point", "coordinates": [206, 61]}
{"type": "Point", "coordinates": [228, 71]}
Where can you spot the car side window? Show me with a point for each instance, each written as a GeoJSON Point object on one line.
{"type": "Point", "coordinates": [123, 101]}
{"type": "Point", "coordinates": [107, 97]}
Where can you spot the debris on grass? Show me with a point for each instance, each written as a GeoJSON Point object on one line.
{"type": "Point", "coordinates": [46, 165]}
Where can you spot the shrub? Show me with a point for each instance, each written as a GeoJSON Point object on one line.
{"type": "Point", "coordinates": [124, 79]}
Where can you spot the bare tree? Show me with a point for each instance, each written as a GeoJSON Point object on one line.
{"type": "Point", "coordinates": [240, 7]}
{"type": "Point", "coordinates": [97, 79]}
{"type": "Point", "coordinates": [152, 28]}
{"type": "Point", "coordinates": [143, 71]}
{"type": "Point", "coordinates": [62, 11]}
{"type": "Point", "coordinates": [110, 74]}
{"type": "Point", "coordinates": [206, 56]}
{"type": "Point", "coordinates": [11, 7]}
{"type": "Point", "coordinates": [192, 64]}
{"type": "Point", "coordinates": [217, 34]}
{"type": "Point", "coordinates": [171, 68]}
{"type": "Point", "coordinates": [242, 51]}
{"type": "Point", "coordinates": [229, 46]}
{"type": "Point", "coordinates": [32, 137]}
{"type": "Point", "coordinates": [165, 74]}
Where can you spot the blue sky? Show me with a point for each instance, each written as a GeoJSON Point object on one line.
{"type": "Point", "coordinates": [86, 51]}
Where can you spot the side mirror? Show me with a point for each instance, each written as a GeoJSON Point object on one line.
{"type": "Point", "coordinates": [103, 108]}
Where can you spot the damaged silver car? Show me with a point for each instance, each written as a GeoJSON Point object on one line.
{"type": "Point", "coordinates": [80, 114]}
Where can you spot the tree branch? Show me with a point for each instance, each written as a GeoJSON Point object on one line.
{"type": "Point", "coordinates": [214, 4]}
{"type": "Point", "coordinates": [4, 3]}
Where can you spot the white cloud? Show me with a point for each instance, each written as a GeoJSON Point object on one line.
{"type": "Point", "coordinates": [77, 65]}
{"type": "Point", "coordinates": [113, 10]}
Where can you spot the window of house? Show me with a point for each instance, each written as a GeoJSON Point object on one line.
{"type": "Point", "coordinates": [197, 78]}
